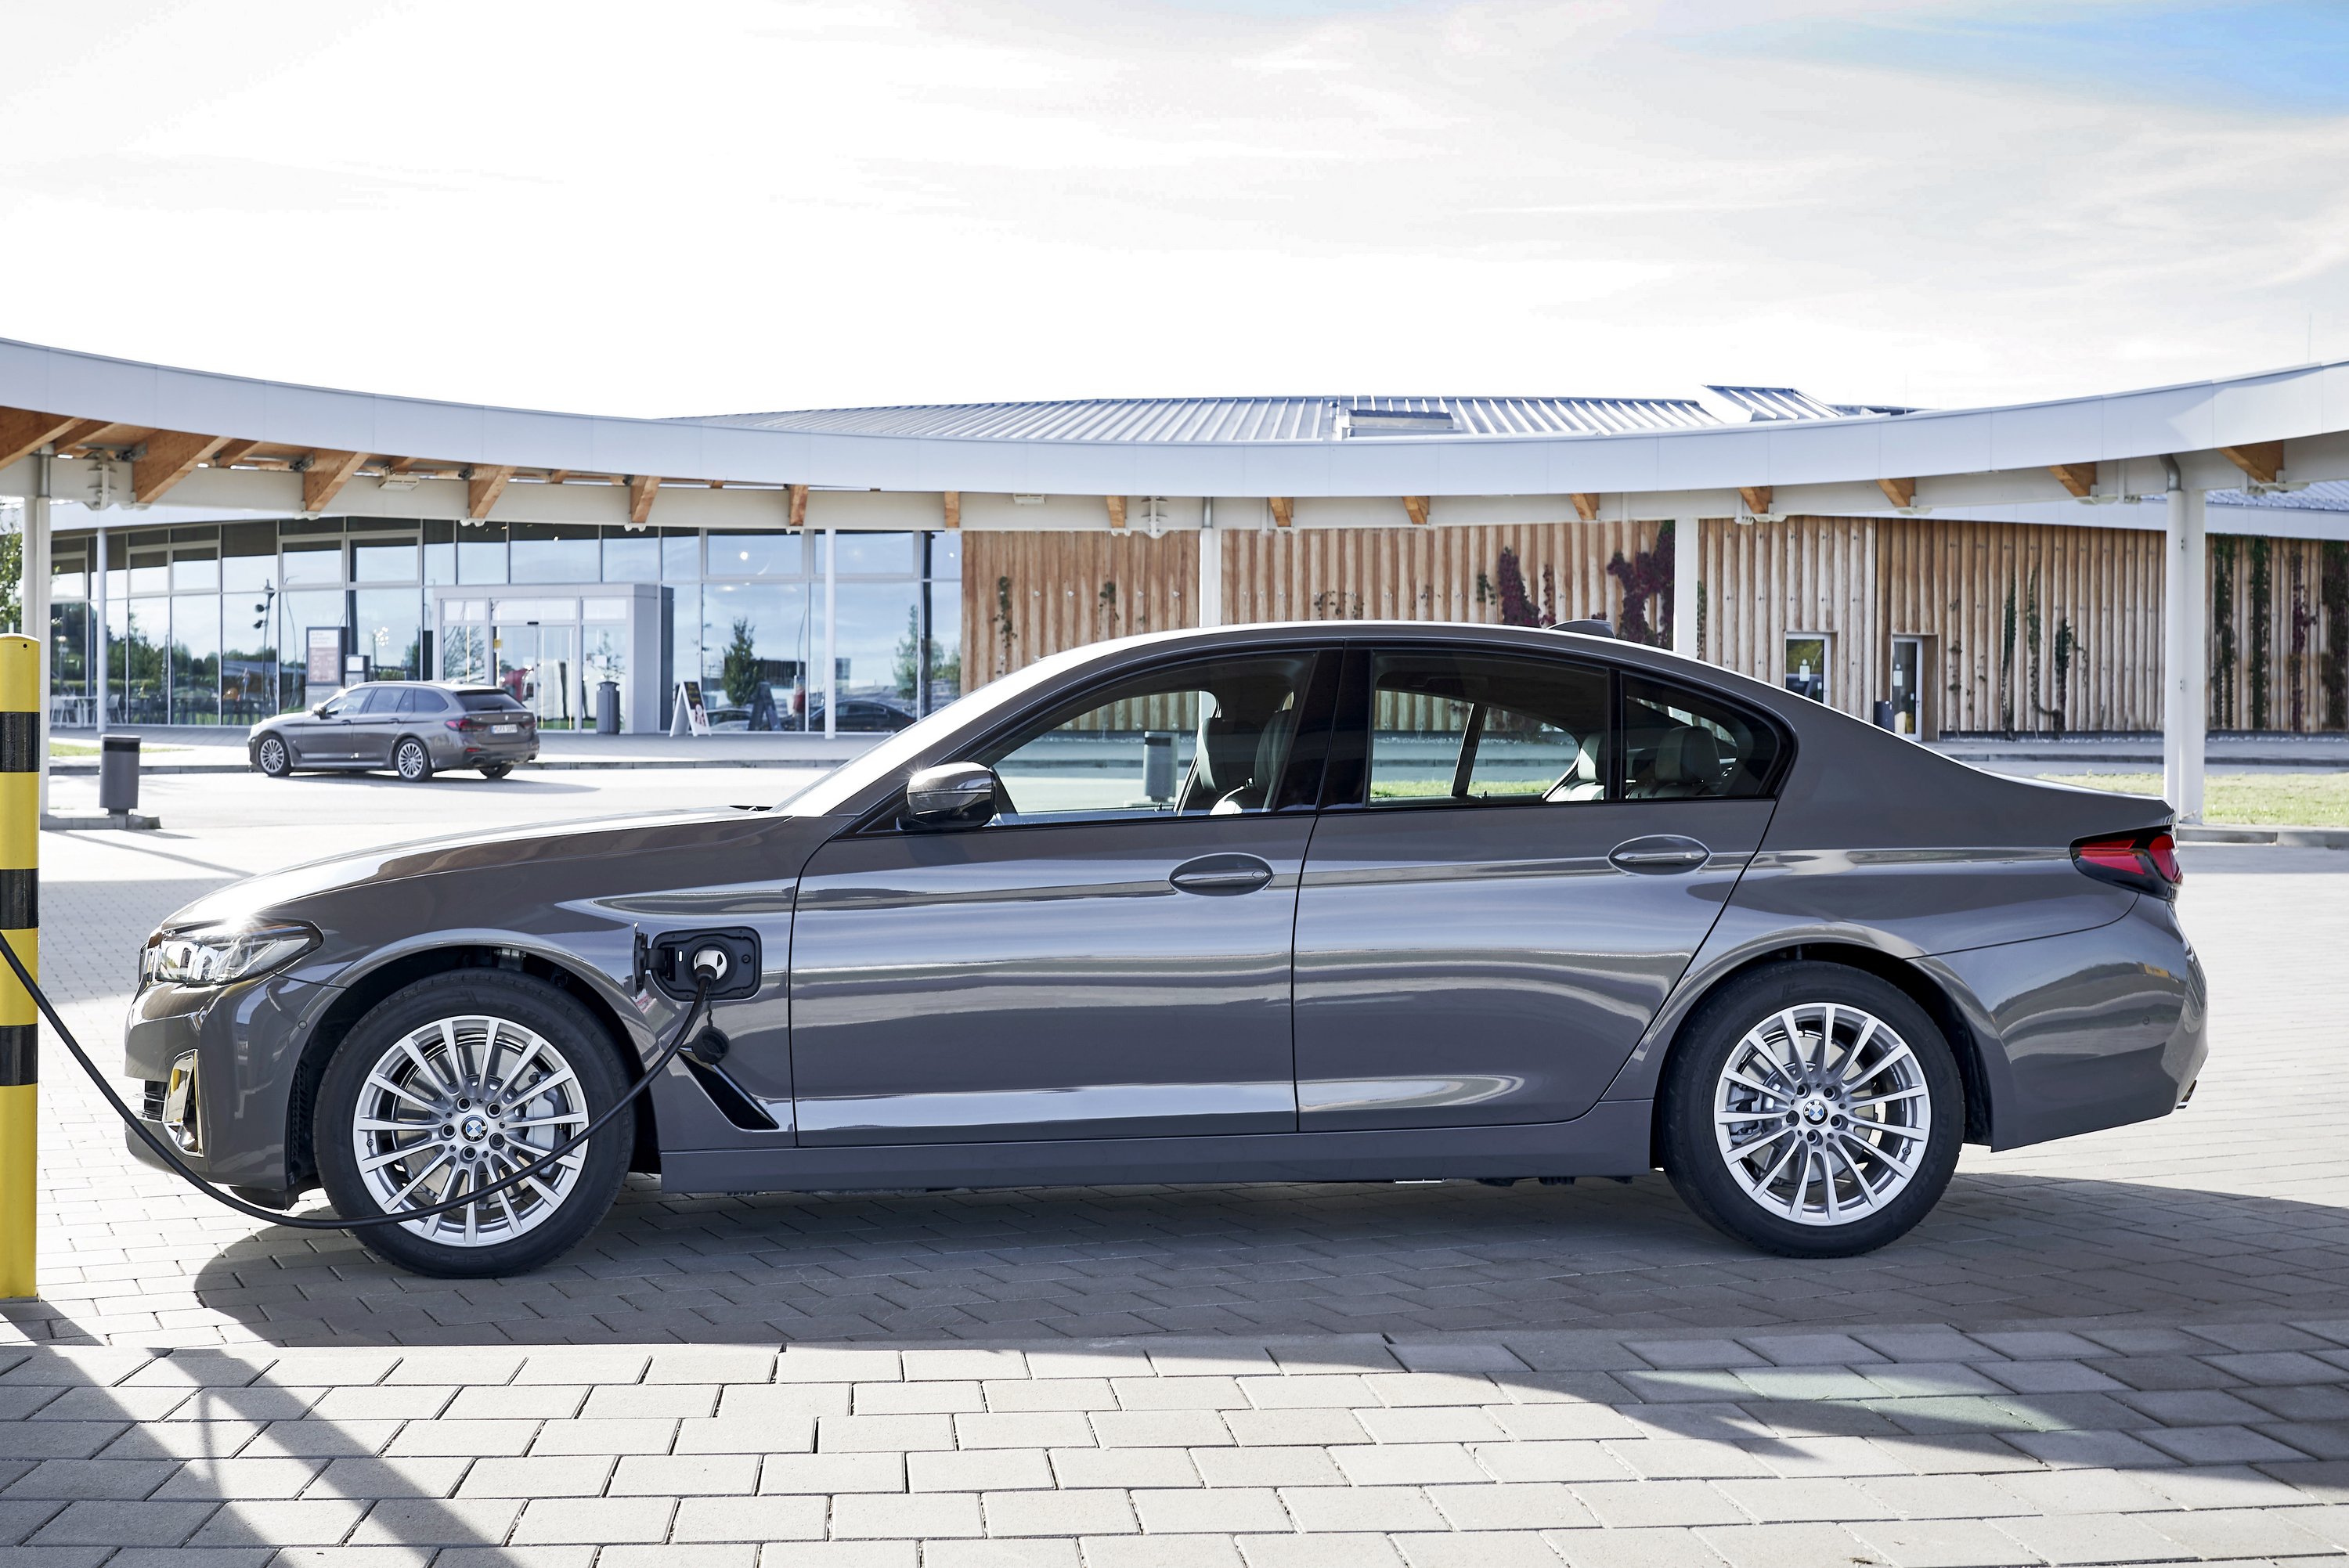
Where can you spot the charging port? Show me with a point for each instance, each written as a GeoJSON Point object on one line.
{"type": "Point", "coordinates": [732, 952]}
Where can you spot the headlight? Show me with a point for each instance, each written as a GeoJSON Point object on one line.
{"type": "Point", "coordinates": [222, 955]}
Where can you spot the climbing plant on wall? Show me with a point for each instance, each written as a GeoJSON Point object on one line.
{"type": "Point", "coordinates": [1516, 604]}
{"type": "Point", "coordinates": [2262, 609]}
{"type": "Point", "coordinates": [2296, 660]}
{"type": "Point", "coordinates": [2006, 663]}
{"type": "Point", "coordinates": [1647, 577]}
{"type": "Point", "coordinates": [2332, 598]}
{"type": "Point", "coordinates": [2223, 643]}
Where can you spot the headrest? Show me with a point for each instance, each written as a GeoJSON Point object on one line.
{"type": "Point", "coordinates": [1688, 755]}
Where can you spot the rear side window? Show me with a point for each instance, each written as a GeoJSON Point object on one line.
{"type": "Point", "coordinates": [1453, 727]}
{"type": "Point", "coordinates": [1679, 744]}
{"type": "Point", "coordinates": [416, 699]}
{"type": "Point", "coordinates": [489, 701]}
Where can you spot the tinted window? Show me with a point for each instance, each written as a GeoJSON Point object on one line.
{"type": "Point", "coordinates": [1211, 738]}
{"type": "Point", "coordinates": [488, 702]}
{"type": "Point", "coordinates": [1449, 728]}
{"type": "Point", "coordinates": [371, 699]}
{"type": "Point", "coordinates": [1684, 745]}
{"type": "Point", "coordinates": [419, 699]}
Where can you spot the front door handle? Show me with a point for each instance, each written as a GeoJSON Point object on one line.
{"type": "Point", "coordinates": [1659, 855]}
{"type": "Point", "coordinates": [1222, 874]}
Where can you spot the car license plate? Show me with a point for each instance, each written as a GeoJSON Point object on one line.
{"type": "Point", "coordinates": [505, 729]}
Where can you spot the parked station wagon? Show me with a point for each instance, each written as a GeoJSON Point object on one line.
{"type": "Point", "coordinates": [1312, 903]}
{"type": "Point", "coordinates": [416, 728]}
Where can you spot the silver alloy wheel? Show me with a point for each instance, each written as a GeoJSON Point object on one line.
{"type": "Point", "coordinates": [411, 760]}
{"type": "Point", "coordinates": [1822, 1113]}
{"type": "Point", "coordinates": [273, 755]}
{"type": "Point", "coordinates": [460, 1103]}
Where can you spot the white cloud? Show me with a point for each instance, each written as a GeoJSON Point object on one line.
{"type": "Point", "coordinates": [739, 205]}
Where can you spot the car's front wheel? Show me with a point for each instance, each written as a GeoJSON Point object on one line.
{"type": "Point", "coordinates": [272, 758]}
{"type": "Point", "coordinates": [453, 1083]}
{"type": "Point", "coordinates": [1813, 1111]}
{"type": "Point", "coordinates": [411, 760]}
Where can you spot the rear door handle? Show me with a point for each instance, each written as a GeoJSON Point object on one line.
{"type": "Point", "coordinates": [1659, 855]}
{"type": "Point", "coordinates": [1221, 874]}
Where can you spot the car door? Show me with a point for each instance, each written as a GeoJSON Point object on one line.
{"type": "Point", "coordinates": [371, 723]}
{"type": "Point", "coordinates": [322, 736]}
{"type": "Point", "coordinates": [1509, 881]}
{"type": "Point", "coordinates": [1108, 957]}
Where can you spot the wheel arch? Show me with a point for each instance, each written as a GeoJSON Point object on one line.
{"type": "Point", "coordinates": [1919, 986]}
{"type": "Point", "coordinates": [363, 992]}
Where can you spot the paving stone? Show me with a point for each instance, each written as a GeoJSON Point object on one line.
{"type": "Point", "coordinates": [321, 1521]}
{"type": "Point", "coordinates": [915, 1516]}
{"type": "Point", "coordinates": [1944, 1544]}
{"type": "Point", "coordinates": [437, 1521]}
{"type": "Point", "coordinates": [592, 1520]}
{"type": "Point", "coordinates": [1648, 1548]}
{"type": "Point", "coordinates": [749, 1519]}
{"type": "Point", "coordinates": [1059, 1513]}
{"type": "Point", "coordinates": [1331, 1550]}
{"type": "Point", "coordinates": [1224, 1510]}
{"type": "Point", "coordinates": [122, 1523]}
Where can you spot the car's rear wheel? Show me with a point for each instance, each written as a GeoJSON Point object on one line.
{"type": "Point", "coordinates": [272, 758]}
{"type": "Point", "coordinates": [411, 760]}
{"type": "Point", "coordinates": [1813, 1111]}
{"type": "Point", "coordinates": [452, 1084]}
{"type": "Point", "coordinates": [494, 771]}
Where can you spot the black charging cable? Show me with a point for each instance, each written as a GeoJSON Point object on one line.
{"type": "Point", "coordinates": [703, 976]}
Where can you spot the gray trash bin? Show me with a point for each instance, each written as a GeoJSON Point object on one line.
{"type": "Point", "coordinates": [607, 707]}
{"type": "Point", "coordinates": [117, 774]}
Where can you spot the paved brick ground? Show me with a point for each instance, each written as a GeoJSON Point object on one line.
{"type": "Point", "coordinates": [2128, 1347]}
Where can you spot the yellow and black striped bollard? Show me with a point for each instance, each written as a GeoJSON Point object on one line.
{"type": "Point", "coordinates": [20, 921]}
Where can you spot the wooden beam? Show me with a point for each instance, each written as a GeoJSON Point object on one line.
{"type": "Point", "coordinates": [482, 490]}
{"type": "Point", "coordinates": [172, 456]}
{"type": "Point", "coordinates": [1757, 499]}
{"type": "Point", "coordinates": [798, 505]}
{"type": "Point", "coordinates": [1284, 510]}
{"type": "Point", "coordinates": [1415, 507]}
{"type": "Point", "coordinates": [2080, 478]}
{"type": "Point", "coordinates": [1116, 511]}
{"type": "Point", "coordinates": [643, 488]}
{"type": "Point", "coordinates": [1586, 506]}
{"type": "Point", "coordinates": [2262, 461]}
{"type": "Point", "coordinates": [558, 476]}
{"type": "Point", "coordinates": [236, 452]}
{"type": "Point", "coordinates": [325, 477]}
{"type": "Point", "coordinates": [23, 432]}
{"type": "Point", "coordinates": [951, 503]}
{"type": "Point", "coordinates": [1900, 493]}
{"type": "Point", "coordinates": [83, 430]}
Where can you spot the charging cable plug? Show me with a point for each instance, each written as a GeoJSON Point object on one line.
{"type": "Point", "coordinates": [710, 965]}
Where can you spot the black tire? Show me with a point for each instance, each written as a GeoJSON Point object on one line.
{"type": "Point", "coordinates": [273, 758]}
{"type": "Point", "coordinates": [562, 1023]}
{"type": "Point", "coordinates": [411, 760]}
{"type": "Point", "coordinates": [494, 771]}
{"type": "Point", "coordinates": [1695, 1155]}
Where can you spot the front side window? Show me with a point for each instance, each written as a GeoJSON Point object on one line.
{"type": "Point", "coordinates": [1450, 728]}
{"type": "Point", "coordinates": [1215, 738]}
{"type": "Point", "coordinates": [1684, 744]}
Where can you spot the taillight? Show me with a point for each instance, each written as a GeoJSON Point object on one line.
{"type": "Point", "coordinates": [2143, 862]}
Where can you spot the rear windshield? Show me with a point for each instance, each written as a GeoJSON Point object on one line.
{"type": "Point", "coordinates": [489, 701]}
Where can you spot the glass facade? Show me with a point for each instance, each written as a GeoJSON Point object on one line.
{"type": "Point", "coordinates": [208, 625]}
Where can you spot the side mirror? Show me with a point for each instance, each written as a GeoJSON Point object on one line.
{"type": "Point", "coordinates": [956, 795]}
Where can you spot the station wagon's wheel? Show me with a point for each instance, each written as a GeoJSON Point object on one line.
{"type": "Point", "coordinates": [1813, 1111]}
{"type": "Point", "coordinates": [453, 1083]}
{"type": "Point", "coordinates": [271, 757]}
{"type": "Point", "coordinates": [493, 771]}
{"type": "Point", "coordinates": [413, 762]}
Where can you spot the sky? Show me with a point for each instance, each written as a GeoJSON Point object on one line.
{"type": "Point", "coordinates": [732, 205]}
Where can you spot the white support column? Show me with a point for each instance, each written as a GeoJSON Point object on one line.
{"type": "Point", "coordinates": [1685, 535]}
{"type": "Point", "coordinates": [97, 649]}
{"type": "Point", "coordinates": [1210, 608]}
{"type": "Point", "coordinates": [2185, 656]}
{"type": "Point", "coordinates": [831, 637]}
{"type": "Point", "coordinates": [32, 594]}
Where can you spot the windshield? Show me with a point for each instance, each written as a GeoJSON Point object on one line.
{"type": "Point", "coordinates": [831, 792]}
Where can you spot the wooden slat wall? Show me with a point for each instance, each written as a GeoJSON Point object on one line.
{"type": "Point", "coordinates": [1860, 581]}
{"type": "Point", "coordinates": [1427, 573]}
{"type": "Point", "coordinates": [1865, 580]}
{"type": "Point", "coordinates": [1027, 595]}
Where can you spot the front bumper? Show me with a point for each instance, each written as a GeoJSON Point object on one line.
{"type": "Point", "coordinates": [2088, 1030]}
{"type": "Point", "coordinates": [245, 1041]}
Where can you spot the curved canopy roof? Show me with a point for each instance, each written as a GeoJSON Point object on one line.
{"type": "Point", "coordinates": [237, 443]}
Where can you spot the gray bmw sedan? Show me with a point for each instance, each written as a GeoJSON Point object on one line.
{"type": "Point", "coordinates": [1333, 901]}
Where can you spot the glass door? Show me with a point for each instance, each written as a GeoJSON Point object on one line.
{"type": "Point", "coordinates": [1908, 694]}
{"type": "Point", "coordinates": [538, 665]}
